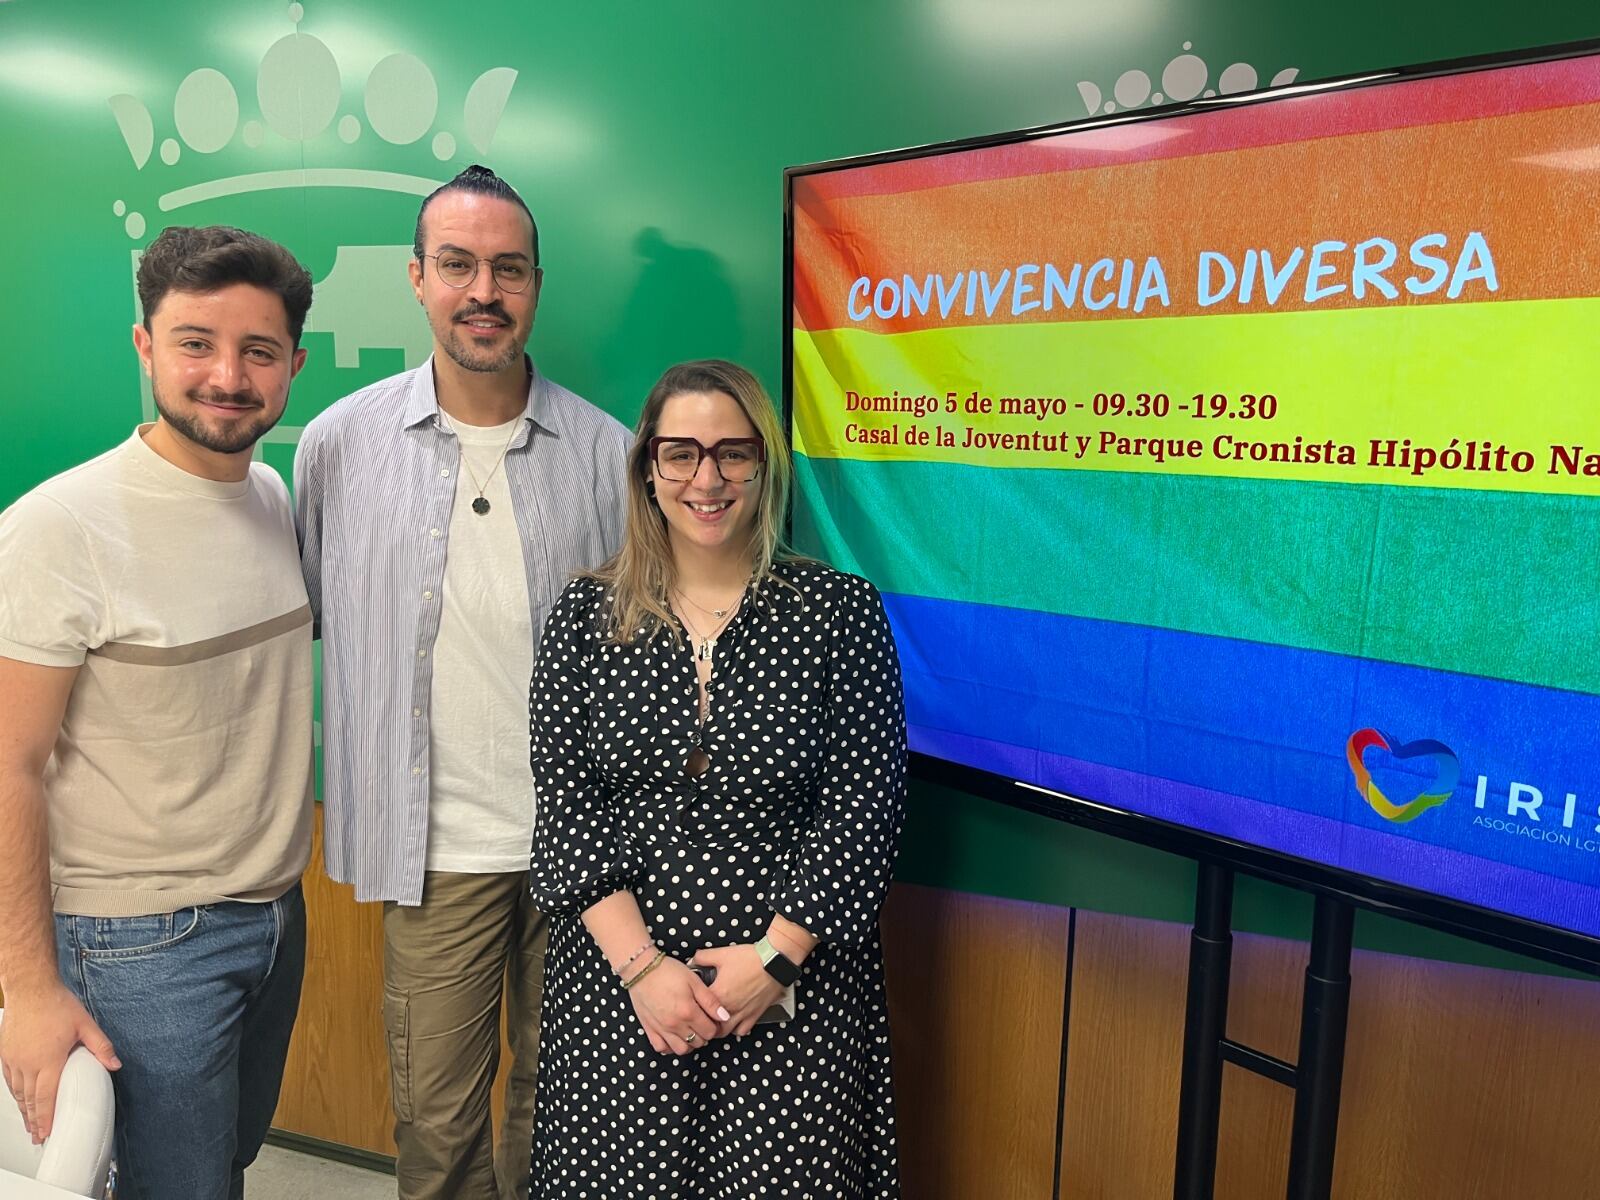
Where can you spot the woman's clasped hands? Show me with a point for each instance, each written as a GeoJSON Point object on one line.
{"type": "Point", "coordinates": [679, 1013]}
{"type": "Point", "coordinates": [742, 985]}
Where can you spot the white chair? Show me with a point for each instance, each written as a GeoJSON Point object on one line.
{"type": "Point", "coordinates": [76, 1157]}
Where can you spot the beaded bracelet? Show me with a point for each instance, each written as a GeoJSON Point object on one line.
{"type": "Point", "coordinates": [645, 970]}
{"type": "Point", "coordinates": [632, 958]}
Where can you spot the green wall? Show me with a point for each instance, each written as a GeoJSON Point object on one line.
{"type": "Point", "coordinates": [649, 140]}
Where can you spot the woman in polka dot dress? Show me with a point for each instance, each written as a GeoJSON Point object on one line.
{"type": "Point", "coordinates": [719, 766]}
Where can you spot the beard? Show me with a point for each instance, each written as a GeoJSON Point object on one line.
{"type": "Point", "coordinates": [486, 360]}
{"type": "Point", "coordinates": [235, 438]}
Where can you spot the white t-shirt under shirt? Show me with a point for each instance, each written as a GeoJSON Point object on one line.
{"type": "Point", "coordinates": [480, 812]}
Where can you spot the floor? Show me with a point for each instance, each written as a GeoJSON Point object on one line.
{"type": "Point", "coordinates": [280, 1174]}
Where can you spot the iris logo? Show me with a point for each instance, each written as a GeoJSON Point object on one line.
{"type": "Point", "coordinates": [1447, 771]}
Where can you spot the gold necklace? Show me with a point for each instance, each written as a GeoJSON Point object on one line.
{"type": "Point", "coordinates": [715, 614]}
{"type": "Point", "coordinates": [708, 641]}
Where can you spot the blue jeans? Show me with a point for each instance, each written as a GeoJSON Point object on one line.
{"type": "Point", "coordinates": [199, 1004]}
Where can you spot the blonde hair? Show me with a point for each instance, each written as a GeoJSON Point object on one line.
{"type": "Point", "coordinates": [642, 575]}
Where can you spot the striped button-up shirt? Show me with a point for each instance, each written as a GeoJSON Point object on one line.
{"type": "Point", "coordinates": [374, 483]}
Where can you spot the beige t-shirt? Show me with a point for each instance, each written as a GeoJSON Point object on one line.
{"type": "Point", "coordinates": [480, 809]}
{"type": "Point", "coordinates": [182, 773]}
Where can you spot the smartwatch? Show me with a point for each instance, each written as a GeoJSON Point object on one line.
{"type": "Point", "coordinates": [781, 968]}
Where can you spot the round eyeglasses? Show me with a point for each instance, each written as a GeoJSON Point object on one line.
{"type": "Point", "coordinates": [458, 270]}
{"type": "Point", "coordinates": [737, 459]}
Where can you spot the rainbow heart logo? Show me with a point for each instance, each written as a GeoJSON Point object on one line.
{"type": "Point", "coordinates": [1447, 771]}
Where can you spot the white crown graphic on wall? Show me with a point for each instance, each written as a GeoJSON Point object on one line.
{"type": "Point", "coordinates": [1185, 78]}
{"type": "Point", "coordinates": [298, 95]}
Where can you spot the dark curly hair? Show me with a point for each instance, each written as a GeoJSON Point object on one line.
{"type": "Point", "coordinates": [189, 259]}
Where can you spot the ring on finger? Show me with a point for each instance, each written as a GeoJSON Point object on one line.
{"type": "Point", "coordinates": [691, 1038]}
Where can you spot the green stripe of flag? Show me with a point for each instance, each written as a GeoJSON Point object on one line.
{"type": "Point", "coordinates": [1493, 584]}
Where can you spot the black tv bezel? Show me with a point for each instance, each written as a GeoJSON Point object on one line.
{"type": "Point", "coordinates": [1549, 943]}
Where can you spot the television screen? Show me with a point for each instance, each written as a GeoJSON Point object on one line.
{"type": "Point", "coordinates": [1236, 467]}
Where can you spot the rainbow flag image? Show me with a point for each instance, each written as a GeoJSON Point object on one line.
{"type": "Point", "coordinates": [1187, 450]}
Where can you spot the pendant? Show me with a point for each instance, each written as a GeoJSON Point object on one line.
{"type": "Point", "coordinates": [480, 506]}
{"type": "Point", "coordinates": [707, 649]}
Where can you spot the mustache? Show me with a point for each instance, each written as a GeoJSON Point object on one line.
{"type": "Point", "coordinates": [244, 398]}
{"type": "Point", "coordinates": [476, 309]}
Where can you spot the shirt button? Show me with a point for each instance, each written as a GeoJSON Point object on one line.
{"type": "Point", "coordinates": [416, 770]}
{"type": "Point", "coordinates": [428, 595]}
{"type": "Point", "coordinates": [444, 472]}
{"type": "Point", "coordinates": [422, 654]}
{"type": "Point", "coordinates": [433, 533]}
{"type": "Point", "coordinates": [416, 712]}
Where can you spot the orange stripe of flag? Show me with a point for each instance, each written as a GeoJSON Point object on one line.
{"type": "Point", "coordinates": [1519, 180]}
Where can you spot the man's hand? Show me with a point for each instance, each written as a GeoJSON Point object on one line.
{"type": "Point", "coordinates": [43, 1020]}
{"type": "Point", "coordinates": [36, 1036]}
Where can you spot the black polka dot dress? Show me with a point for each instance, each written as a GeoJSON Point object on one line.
{"type": "Point", "coordinates": [799, 813]}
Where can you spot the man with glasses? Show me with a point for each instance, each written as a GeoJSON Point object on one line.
{"type": "Point", "coordinates": [440, 513]}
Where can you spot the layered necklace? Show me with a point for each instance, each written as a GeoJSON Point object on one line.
{"type": "Point", "coordinates": [706, 650]}
{"type": "Point", "coordinates": [698, 761]}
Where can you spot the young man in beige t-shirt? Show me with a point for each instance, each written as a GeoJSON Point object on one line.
{"type": "Point", "coordinates": [155, 738]}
